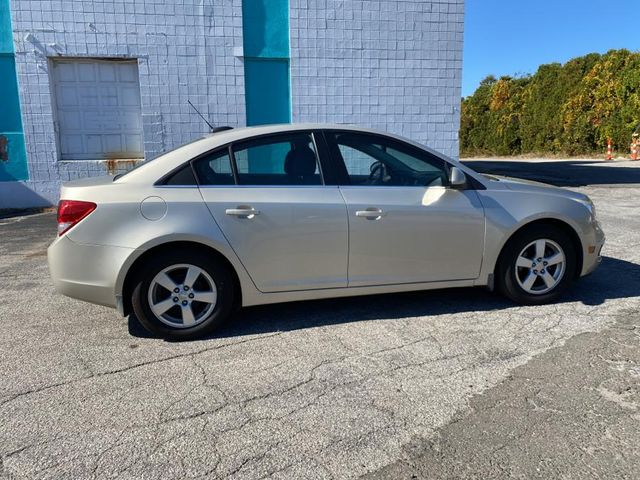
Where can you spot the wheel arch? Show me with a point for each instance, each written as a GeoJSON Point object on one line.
{"type": "Point", "coordinates": [130, 275]}
{"type": "Point", "coordinates": [551, 222]}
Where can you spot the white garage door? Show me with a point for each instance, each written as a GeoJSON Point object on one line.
{"type": "Point", "coordinates": [98, 109]}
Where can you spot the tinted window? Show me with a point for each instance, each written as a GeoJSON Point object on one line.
{"type": "Point", "coordinates": [184, 176]}
{"type": "Point", "coordinates": [288, 159]}
{"type": "Point", "coordinates": [215, 169]}
{"type": "Point", "coordinates": [374, 160]}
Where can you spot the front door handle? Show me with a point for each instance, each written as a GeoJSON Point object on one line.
{"type": "Point", "coordinates": [370, 213]}
{"type": "Point", "coordinates": [242, 211]}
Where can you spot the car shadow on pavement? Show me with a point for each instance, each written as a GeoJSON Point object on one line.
{"type": "Point", "coordinates": [614, 279]}
{"type": "Point", "coordinates": [574, 173]}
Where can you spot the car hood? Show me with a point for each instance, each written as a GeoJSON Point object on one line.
{"type": "Point", "coordinates": [520, 185]}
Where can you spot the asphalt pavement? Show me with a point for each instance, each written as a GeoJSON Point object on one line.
{"type": "Point", "coordinates": [441, 384]}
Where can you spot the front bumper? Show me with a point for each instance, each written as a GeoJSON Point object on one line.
{"type": "Point", "coordinates": [86, 272]}
{"type": "Point", "coordinates": [591, 260]}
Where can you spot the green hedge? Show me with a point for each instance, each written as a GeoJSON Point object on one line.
{"type": "Point", "coordinates": [562, 109]}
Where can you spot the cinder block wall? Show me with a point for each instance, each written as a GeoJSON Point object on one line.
{"type": "Point", "coordinates": [389, 64]}
{"type": "Point", "coordinates": [185, 50]}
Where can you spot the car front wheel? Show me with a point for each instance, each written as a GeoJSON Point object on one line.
{"type": "Point", "coordinates": [537, 265]}
{"type": "Point", "coordinates": [182, 296]}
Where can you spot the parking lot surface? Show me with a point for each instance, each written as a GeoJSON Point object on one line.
{"type": "Point", "coordinates": [421, 385]}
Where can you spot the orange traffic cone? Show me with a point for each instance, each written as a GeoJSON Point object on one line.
{"type": "Point", "coordinates": [634, 147]}
{"type": "Point", "coordinates": [609, 150]}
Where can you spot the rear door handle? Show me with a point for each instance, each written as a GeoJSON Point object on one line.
{"type": "Point", "coordinates": [370, 213]}
{"type": "Point", "coordinates": [242, 211]}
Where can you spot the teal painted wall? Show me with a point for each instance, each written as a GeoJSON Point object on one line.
{"type": "Point", "coordinates": [265, 28]}
{"type": "Point", "coordinates": [10, 118]}
{"type": "Point", "coordinates": [6, 37]}
{"type": "Point", "coordinates": [267, 91]}
{"type": "Point", "coordinates": [265, 31]}
{"type": "Point", "coordinates": [13, 157]}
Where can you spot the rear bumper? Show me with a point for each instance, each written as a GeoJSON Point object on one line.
{"type": "Point", "coordinates": [86, 272]}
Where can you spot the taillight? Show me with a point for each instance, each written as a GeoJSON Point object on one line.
{"type": "Point", "coordinates": [71, 212]}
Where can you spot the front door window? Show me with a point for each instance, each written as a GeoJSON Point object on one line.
{"type": "Point", "coordinates": [376, 161]}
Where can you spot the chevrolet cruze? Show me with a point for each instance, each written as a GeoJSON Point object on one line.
{"type": "Point", "coordinates": [283, 213]}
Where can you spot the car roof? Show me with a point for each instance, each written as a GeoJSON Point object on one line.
{"type": "Point", "coordinates": [156, 168]}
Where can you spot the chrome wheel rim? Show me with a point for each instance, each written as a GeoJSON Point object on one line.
{"type": "Point", "coordinates": [540, 266]}
{"type": "Point", "coordinates": [182, 295]}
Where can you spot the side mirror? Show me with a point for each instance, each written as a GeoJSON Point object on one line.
{"type": "Point", "coordinates": [457, 178]}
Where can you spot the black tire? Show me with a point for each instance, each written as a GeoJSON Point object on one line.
{"type": "Point", "coordinates": [222, 310]}
{"type": "Point", "coordinates": [507, 282]}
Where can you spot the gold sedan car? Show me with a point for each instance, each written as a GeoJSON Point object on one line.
{"type": "Point", "coordinates": [294, 212]}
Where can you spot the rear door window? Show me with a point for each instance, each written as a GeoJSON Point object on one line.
{"type": "Point", "coordinates": [215, 169]}
{"type": "Point", "coordinates": [286, 159]}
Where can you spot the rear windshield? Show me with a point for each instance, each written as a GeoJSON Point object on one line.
{"type": "Point", "coordinates": [146, 162]}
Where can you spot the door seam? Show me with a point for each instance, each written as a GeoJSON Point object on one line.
{"type": "Point", "coordinates": [346, 208]}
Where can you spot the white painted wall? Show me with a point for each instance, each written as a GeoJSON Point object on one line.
{"type": "Point", "coordinates": [185, 50]}
{"type": "Point", "coordinates": [390, 64]}
{"type": "Point", "coordinates": [395, 65]}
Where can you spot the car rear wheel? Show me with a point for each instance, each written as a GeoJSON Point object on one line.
{"type": "Point", "coordinates": [182, 296]}
{"type": "Point", "coordinates": [537, 265]}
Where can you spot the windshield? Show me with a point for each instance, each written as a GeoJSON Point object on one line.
{"type": "Point", "coordinates": [490, 177]}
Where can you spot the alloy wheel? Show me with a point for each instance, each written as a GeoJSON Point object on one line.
{"type": "Point", "coordinates": [182, 295]}
{"type": "Point", "coordinates": [540, 266]}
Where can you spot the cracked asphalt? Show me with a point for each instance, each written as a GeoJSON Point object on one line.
{"type": "Point", "coordinates": [441, 384]}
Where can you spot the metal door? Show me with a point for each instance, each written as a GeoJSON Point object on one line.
{"type": "Point", "coordinates": [98, 113]}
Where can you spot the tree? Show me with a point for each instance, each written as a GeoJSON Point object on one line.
{"type": "Point", "coordinates": [570, 109]}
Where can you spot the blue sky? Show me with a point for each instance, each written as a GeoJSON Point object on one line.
{"type": "Point", "coordinates": [507, 37]}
